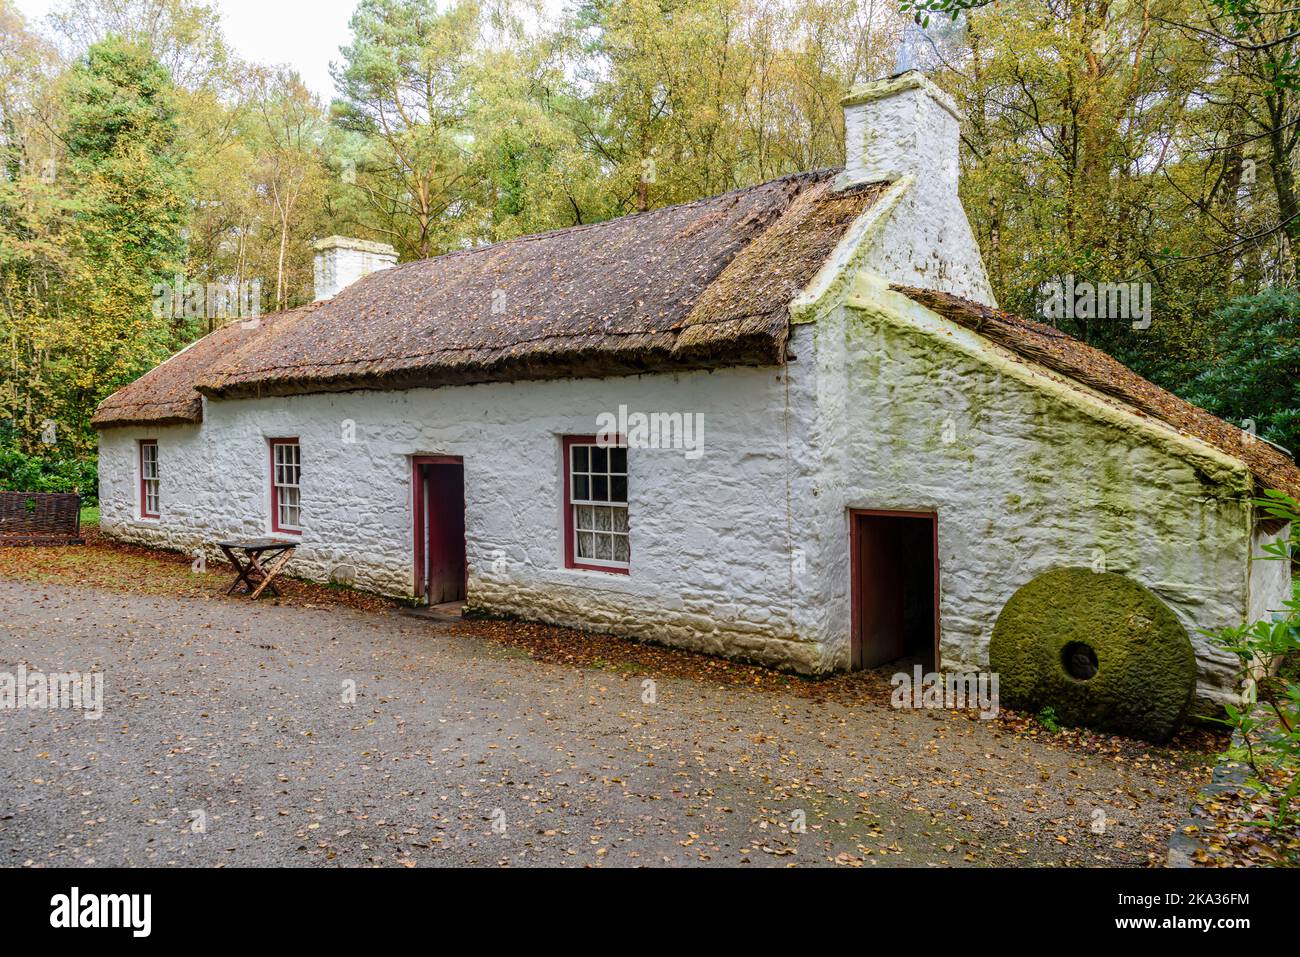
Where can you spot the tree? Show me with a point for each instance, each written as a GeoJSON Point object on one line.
{"type": "Point", "coordinates": [35, 262]}
{"type": "Point", "coordinates": [285, 129]}
{"type": "Point", "coordinates": [1254, 374]}
{"type": "Point", "coordinates": [123, 166]}
{"type": "Point", "coordinates": [404, 86]}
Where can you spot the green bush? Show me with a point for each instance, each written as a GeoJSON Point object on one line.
{"type": "Point", "coordinates": [21, 472]}
{"type": "Point", "coordinates": [1255, 371]}
{"type": "Point", "coordinates": [1269, 723]}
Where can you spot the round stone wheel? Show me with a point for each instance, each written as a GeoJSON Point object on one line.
{"type": "Point", "coordinates": [1099, 649]}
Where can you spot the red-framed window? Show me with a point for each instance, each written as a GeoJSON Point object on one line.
{"type": "Point", "coordinates": [596, 531]}
{"type": "Point", "coordinates": [150, 486]}
{"type": "Point", "coordinates": [286, 486]}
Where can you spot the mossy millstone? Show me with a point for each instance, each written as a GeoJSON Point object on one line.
{"type": "Point", "coordinates": [1100, 649]}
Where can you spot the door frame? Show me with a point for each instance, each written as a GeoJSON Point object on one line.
{"type": "Point", "coordinates": [419, 532]}
{"type": "Point", "coordinates": [855, 638]}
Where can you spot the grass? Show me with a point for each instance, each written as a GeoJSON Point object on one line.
{"type": "Point", "coordinates": [89, 515]}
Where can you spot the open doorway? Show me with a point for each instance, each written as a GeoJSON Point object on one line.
{"type": "Point", "coordinates": [438, 497]}
{"type": "Point", "coordinates": [895, 570]}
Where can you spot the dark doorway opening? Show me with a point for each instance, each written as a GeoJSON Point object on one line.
{"type": "Point", "coordinates": [895, 570]}
{"type": "Point", "coordinates": [438, 485]}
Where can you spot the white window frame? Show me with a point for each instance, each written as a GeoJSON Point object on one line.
{"type": "Point", "coordinates": [286, 476]}
{"type": "Point", "coordinates": [582, 508]}
{"type": "Point", "coordinates": [150, 481]}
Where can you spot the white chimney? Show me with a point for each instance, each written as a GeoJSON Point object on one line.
{"type": "Point", "coordinates": [903, 124]}
{"type": "Point", "coordinates": [341, 261]}
{"type": "Point", "coordinates": [905, 130]}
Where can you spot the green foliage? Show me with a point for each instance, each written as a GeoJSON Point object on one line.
{"type": "Point", "coordinates": [1048, 719]}
{"type": "Point", "coordinates": [1241, 24]}
{"type": "Point", "coordinates": [84, 241]}
{"type": "Point", "coordinates": [1107, 142]}
{"type": "Point", "coordinates": [1268, 725]}
{"type": "Point", "coordinates": [1254, 373]}
{"type": "Point", "coordinates": [20, 472]}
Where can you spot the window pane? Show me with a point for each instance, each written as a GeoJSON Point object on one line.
{"type": "Point", "coordinates": [290, 512]}
{"type": "Point", "coordinates": [597, 475]}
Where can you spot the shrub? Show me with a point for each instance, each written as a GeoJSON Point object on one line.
{"type": "Point", "coordinates": [1255, 371]}
{"type": "Point", "coordinates": [21, 472]}
{"type": "Point", "coordinates": [1268, 723]}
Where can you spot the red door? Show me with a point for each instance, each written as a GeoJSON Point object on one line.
{"type": "Point", "coordinates": [439, 502]}
{"type": "Point", "coordinates": [880, 580]}
{"type": "Point", "coordinates": [895, 588]}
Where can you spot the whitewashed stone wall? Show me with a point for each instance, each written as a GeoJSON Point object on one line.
{"type": "Point", "coordinates": [711, 537]}
{"type": "Point", "coordinates": [745, 551]}
{"type": "Point", "coordinates": [1270, 578]}
{"type": "Point", "coordinates": [1038, 474]}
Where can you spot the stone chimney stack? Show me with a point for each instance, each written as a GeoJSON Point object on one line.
{"type": "Point", "coordinates": [903, 124]}
{"type": "Point", "coordinates": [341, 261]}
{"type": "Point", "coordinates": [906, 131]}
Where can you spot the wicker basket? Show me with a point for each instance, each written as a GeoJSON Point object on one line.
{"type": "Point", "coordinates": [40, 518]}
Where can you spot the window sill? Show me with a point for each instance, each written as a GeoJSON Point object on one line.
{"type": "Point", "coordinates": [598, 569]}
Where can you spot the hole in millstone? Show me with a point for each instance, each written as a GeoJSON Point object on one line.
{"type": "Point", "coordinates": [1079, 660]}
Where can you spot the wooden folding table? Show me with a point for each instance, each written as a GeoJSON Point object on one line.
{"type": "Point", "coordinates": [257, 562]}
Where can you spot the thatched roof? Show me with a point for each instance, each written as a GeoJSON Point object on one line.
{"type": "Point", "coordinates": [698, 285]}
{"type": "Point", "coordinates": [165, 395]}
{"type": "Point", "coordinates": [1049, 347]}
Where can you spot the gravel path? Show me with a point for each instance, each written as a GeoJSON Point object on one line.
{"type": "Point", "coordinates": [226, 741]}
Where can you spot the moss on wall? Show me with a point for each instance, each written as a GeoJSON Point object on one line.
{"type": "Point", "coordinates": [1099, 648]}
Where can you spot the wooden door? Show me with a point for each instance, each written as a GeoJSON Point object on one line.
{"type": "Point", "coordinates": [440, 530]}
{"type": "Point", "coordinates": [880, 584]}
{"type": "Point", "coordinates": [895, 582]}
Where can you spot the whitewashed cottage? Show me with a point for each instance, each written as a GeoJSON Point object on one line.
{"type": "Point", "coordinates": [878, 459]}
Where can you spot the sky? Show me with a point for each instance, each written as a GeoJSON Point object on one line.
{"type": "Point", "coordinates": [305, 34]}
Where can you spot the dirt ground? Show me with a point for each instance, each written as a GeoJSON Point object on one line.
{"type": "Point", "coordinates": [329, 728]}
